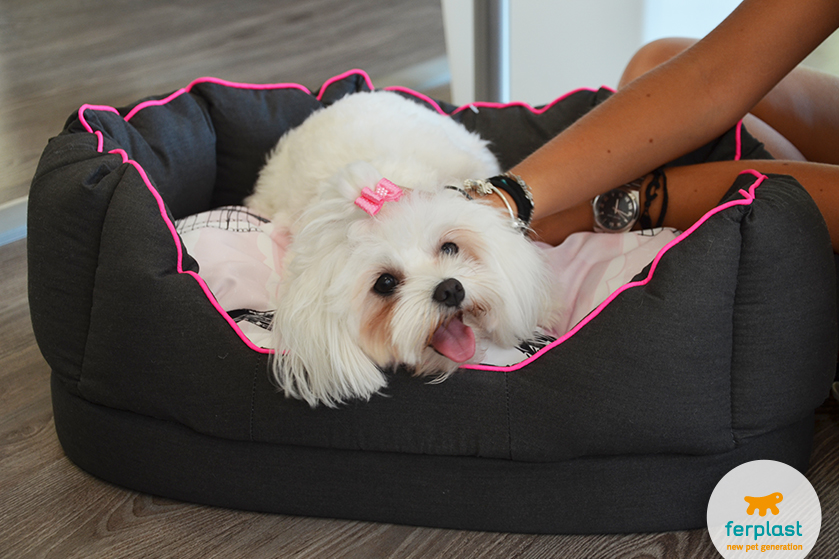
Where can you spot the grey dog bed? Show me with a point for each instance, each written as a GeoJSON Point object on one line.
{"type": "Point", "coordinates": [717, 355]}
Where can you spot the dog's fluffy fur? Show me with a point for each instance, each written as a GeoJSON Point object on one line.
{"type": "Point", "coordinates": [339, 323]}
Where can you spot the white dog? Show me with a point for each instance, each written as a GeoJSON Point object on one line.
{"type": "Point", "coordinates": [377, 276]}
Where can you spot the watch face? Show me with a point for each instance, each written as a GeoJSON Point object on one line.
{"type": "Point", "coordinates": [616, 210]}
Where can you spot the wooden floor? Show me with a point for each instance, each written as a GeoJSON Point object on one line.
{"type": "Point", "coordinates": [58, 54]}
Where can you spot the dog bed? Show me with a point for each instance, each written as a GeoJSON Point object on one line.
{"type": "Point", "coordinates": [716, 354]}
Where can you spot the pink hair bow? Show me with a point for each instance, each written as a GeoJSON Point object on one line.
{"type": "Point", "coordinates": [372, 201]}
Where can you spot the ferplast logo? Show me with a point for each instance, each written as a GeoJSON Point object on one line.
{"type": "Point", "coordinates": [764, 507]}
{"type": "Point", "coordinates": [768, 502]}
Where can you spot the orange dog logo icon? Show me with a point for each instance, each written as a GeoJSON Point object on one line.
{"type": "Point", "coordinates": [762, 504]}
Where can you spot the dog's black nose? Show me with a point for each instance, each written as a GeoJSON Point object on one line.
{"type": "Point", "coordinates": [449, 292]}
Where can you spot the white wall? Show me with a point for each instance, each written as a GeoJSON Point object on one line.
{"type": "Point", "coordinates": [560, 45]}
{"type": "Point", "coordinates": [563, 45]}
{"type": "Point", "coordinates": [683, 18]}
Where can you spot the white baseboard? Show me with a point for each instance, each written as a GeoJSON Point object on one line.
{"type": "Point", "coordinates": [13, 220]}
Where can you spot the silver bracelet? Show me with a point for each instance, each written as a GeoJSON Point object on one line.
{"type": "Point", "coordinates": [483, 188]}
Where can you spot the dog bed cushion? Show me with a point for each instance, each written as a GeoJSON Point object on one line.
{"type": "Point", "coordinates": [717, 353]}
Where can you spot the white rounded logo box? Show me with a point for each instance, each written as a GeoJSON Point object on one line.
{"type": "Point", "coordinates": [767, 508]}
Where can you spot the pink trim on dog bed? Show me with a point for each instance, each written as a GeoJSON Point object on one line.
{"type": "Point", "coordinates": [748, 196]}
{"type": "Point", "coordinates": [178, 247]}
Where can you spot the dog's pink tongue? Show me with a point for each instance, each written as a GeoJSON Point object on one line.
{"type": "Point", "coordinates": [454, 340]}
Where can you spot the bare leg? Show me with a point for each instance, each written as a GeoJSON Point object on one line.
{"type": "Point", "coordinates": [804, 108]}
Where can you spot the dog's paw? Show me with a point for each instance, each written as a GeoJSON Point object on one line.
{"type": "Point", "coordinates": [324, 385]}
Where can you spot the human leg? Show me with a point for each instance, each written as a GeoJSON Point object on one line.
{"type": "Point", "coordinates": [804, 108]}
{"type": "Point", "coordinates": [651, 55]}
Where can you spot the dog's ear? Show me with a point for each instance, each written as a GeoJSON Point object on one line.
{"type": "Point", "coordinates": [318, 358]}
{"type": "Point", "coordinates": [512, 262]}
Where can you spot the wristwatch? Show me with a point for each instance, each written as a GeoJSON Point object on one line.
{"type": "Point", "coordinates": [618, 210]}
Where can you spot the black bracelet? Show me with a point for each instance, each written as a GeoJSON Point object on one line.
{"type": "Point", "coordinates": [659, 180]}
{"type": "Point", "coordinates": [519, 192]}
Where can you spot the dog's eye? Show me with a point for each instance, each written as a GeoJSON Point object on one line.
{"type": "Point", "coordinates": [449, 248]}
{"type": "Point", "coordinates": [386, 284]}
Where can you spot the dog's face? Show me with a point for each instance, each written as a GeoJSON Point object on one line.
{"type": "Point", "coordinates": [422, 283]}
{"type": "Point", "coordinates": [429, 286]}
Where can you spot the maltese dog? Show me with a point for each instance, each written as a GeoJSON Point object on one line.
{"type": "Point", "coordinates": [386, 265]}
